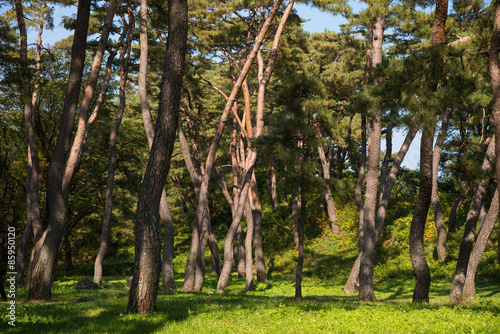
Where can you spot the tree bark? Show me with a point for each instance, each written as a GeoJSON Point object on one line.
{"type": "Point", "coordinates": [77, 148]}
{"type": "Point", "coordinates": [248, 249]}
{"type": "Point", "coordinates": [45, 251]}
{"type": "Point", "coordinates": [113, 154]}
{"type": "Point", "coordinates": [452, 220]}
{"type": "Point", "coordinates": [417, 228]}
{"type": "Point", "coordinates": [300, 259]}
{"type": "Point", "coordinates": [271, 182]}
{"type": "Point", "coordinates": [350, 286]}
{"type": "Point", "coordinates": [367, 236]}
{"type": "Point", "coordinates": [260, 264]}
{"type": "Point", "coordinates": [494, 67]}
{"type": "Point", "coordinates": [469, 291]}
{"type": "Point", "coordinates": [326, 191]}
{"type": "Point", "coordinates": [203, 196]}
{"type": "Point", "coordinates": [168, 225]}
{"type": "Point", "coordinates": [143, 291]}
{"type": "Point", "coordinates": [295, 214]}
{"type": "Point", "coordinates": [436, 203]}
{"type": "Point", "coordinates": [33, 220]}
{"type": "Point", "coordinates": [458, 282]}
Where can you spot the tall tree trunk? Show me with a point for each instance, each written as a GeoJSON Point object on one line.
{"type": "Point", "coordinates": [168, 226]}
{"type": "Point", "coordinates": [33, 220]}
{"type": "Point", "coordinates": [494, 67]}
{"type": "Point", "coordinates": [367, 235]}
{"type": "Point", "coordinates": [248, 250]}
{"type": "Point", "coordinates": [260, 264]}
{"type": "Point", "coordinates": [77, 148]}
{"type": "Point", "coordinates": [350, 286]}
{"type": "Point", "coordinates": [45, 251]}
{"type": "Point", "coordinates": [469, 291]}
{"type": "Point", "coordinates": [113, 154]}
{"type": "Point", "coordinates": [203, 195]}
{"type": "Point", "coordinates": [436, 203]}
{"type": "Point", "coordinates": [143, 291]}
{"type": "Point", "coordinates": [239, 246]}
{"type": "Point", "coordinates": [417, 228]}
{"type": "Point", "coordinates": [300, 259]}
{"type": "Point", "coordinates": [458, 282]}
{"type": "Point", "coordinates": [326, 191]}
{"type": "Point", "coordinates": [295, 214]}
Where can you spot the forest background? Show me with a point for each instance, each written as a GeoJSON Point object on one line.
{"type": "Point", "coordinates": [301, 182]}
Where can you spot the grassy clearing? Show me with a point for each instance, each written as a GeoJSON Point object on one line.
{"type": "Point", "coordinates": [269, 309]}
{"type": "Point", "coordinates": [272, 308]}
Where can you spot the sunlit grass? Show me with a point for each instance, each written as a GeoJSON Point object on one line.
{"type": "Point", "coordinates": [271, 308]}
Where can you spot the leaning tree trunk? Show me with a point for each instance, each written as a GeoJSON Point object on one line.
{"type": "Point", "coordinates": [113, 153]}
{"type": "Point", "coordinates": [469, 292]}
{"type": "Point", "coordinates": [45, 251]}
{"type": "Point", "coordinates": [458, 282]}
{"type": "Point", "coordinates": [168, 226]}
{"type": "Point", "coordinates": [203, 196]}
{"type": "Point", "coordinates": [143, 291]}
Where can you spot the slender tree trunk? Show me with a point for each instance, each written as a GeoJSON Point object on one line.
{"type": "Point", "coordinates": [271, 182]}
{"type": "Point", "coordinates": [367, 237]}
{"type": "Point", "coordinates": [436, 203]}
{"type": "Point", "coordinates": [33, 220]}
{"type": "Point", "coordinates": [45, 250]}
{"type": "Point", "coordinates": [469, 291]}
{"type": "Point", "coordinates": [143, 291]}
{"type": "Point", "coordinates": [248, 248]}
{"type": "Point", "coordinates": [113, 154]}
{"type": "Point", "coordinates": [77, 148]}
{"type": "Point", "coordinates": [326, 191]}
{"type": "Point", "coordinates": [260, 264]}
{"type": "Point", "coordinates": [239, 246]}
{"type": "Point", "coordinates": [203, 195]}
{"type": "Point", "coordinates": [417, 250]}
{"type": "Point", "coordinates": [67, 253]}
{"type": "Point", "coordinates": [458, 282]}
{"type": "Point", "coordinates": [300, 259]}
{"type": "Point", "coordinates": [295, 214]}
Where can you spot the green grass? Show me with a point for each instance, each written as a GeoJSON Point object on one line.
{"type": "Point", "coordinates": [269, 309]}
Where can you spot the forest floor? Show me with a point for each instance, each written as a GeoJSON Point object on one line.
{"type": "Point", "coordinates": [271, 308]}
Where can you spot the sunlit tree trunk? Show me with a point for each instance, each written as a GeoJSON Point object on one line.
{"type": "Point", "coordinates": [469, 291]}
{"type": "Point", "coordinates": [436, 203]}
{"type": "Point", "coordinates": [113, 155]}
{"type": "Point", "coordinates": [480, 188]}
{"type": "Point", "coordinates": [367, 235]}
